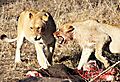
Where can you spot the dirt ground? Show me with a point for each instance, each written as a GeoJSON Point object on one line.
{"type": "Point", "coordinates": [105, 11]}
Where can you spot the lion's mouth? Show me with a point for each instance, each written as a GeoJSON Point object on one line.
{"type": "Point", "coordinates": [37, 38]}
{"type": "Point", "coordinates": [60, 39]}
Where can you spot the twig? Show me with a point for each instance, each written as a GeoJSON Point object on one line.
{"type": "Point", "coordinates": [46, 72]}
{"type": "Point", "coordinates": [104, 71]}
{"type": "Point", "coordinates": [57, 11]}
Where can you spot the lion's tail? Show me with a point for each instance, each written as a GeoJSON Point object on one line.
{"type": "Point", "coordinates": [6, 39]}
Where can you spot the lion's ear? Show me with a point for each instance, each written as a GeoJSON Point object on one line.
{"type": "Point", "coordinates": [45, 17]}
{"type": "Point", "coordinates": [70, 28]}
{"type": "Point", "coordinates": [30, 15]}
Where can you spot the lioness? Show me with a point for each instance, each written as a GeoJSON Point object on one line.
{"type": "Point", "coordinates": [36, 27]}
{"type": "Point", "coordinates": [91, 36]}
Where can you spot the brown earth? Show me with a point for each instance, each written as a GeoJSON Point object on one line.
{"type": "Point", "coordinates": [106, 11]}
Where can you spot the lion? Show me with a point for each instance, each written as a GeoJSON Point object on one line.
{"type": "Point", "coordinates": [38, 28]}
{"type": "Point", "coordinates": [92, 37]}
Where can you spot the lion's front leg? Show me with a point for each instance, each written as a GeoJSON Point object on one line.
{"type": "Point", "coordinates": [42, 60]}
{"type": "Point", "coordinates": [86, 52]}
{"type": "Point", "coordinates": [49, 50]}
{"type": "Point", "coordinates": [98, 54]}
{"type": "Point", "coordinates": [99, 47]}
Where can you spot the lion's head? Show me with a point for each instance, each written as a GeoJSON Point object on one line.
{"type": "Point", "coordinates": [39, 24]}
{"type": "Point", "coordinates": [64, 34]}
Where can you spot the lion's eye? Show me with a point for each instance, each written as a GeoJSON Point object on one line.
{"type": "Point", "coordinates": [46, 14]}
{"type": "Point", "coordinates": [38, 28]}
{"type": "Point", "coordinates": [31, 27]}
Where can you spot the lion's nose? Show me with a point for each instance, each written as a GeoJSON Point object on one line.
{"type": "Point", "coordinates": [37, 37]}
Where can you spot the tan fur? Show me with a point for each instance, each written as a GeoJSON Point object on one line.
{"type": "Point", "coordinates": [36, 27]}
{"type": "Point", "coordinates": [91, 36]}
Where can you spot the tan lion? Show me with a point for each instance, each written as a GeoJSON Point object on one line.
{"type": "Point", "coordinates": [36, 27]}
{"type": "Point", "coordinates": [91, 36]}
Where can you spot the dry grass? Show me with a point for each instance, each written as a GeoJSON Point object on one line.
{"type": "Point", "coordinates": [63, 11]}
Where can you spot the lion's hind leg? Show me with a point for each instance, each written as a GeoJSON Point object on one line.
{"type": "Point", "coordinates": [19, 44]}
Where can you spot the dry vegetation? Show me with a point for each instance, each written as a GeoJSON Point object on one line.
{"type": "Point", "coordinates": [107, 11]}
